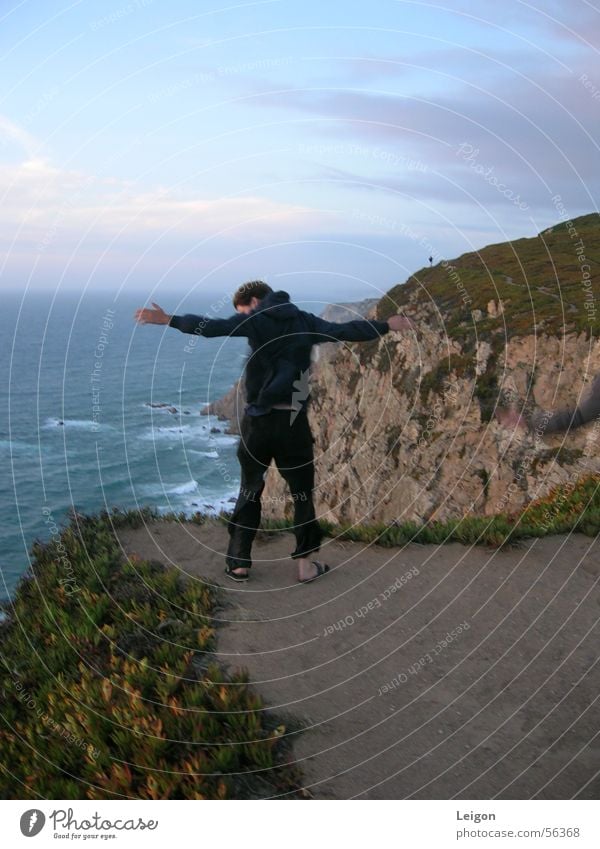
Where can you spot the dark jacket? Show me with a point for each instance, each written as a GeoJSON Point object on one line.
{"type": "Point", "coordinates": [281, 337]}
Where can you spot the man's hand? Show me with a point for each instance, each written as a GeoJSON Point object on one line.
{"type": "Point", "coordinates": [155, 316]}
{"type": "Point", "coordinates": [400, 322]}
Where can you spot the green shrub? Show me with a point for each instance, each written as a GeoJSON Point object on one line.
{"type": "Point", "coordinates": [109, 687]}
{"type": "Point", "coordinates": [572, 507]}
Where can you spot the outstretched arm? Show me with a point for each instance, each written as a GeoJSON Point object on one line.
{"type": "Point", "coordinates": [361, 330]}
{"type": "Point", "coordinates": [236, 325]}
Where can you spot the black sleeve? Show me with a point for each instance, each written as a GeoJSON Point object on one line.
{"type": "Point", "coordinates": [235, 325]}
{"type": "Point", "coordinates": [361, 330]}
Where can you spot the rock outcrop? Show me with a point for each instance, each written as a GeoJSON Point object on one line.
{"type": "Point", "coordinates": [349, 311]}
{"type": "Point", "coordinates": [229, 408]}
{"type": "Point", "coordinates": [404, 425]}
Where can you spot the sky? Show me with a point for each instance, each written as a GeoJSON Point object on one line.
{"type": "Point", "coordinates": [328, 148]}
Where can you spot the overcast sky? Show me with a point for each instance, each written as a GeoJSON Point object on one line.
{"type": "Point", "coordinates": [326, 147]}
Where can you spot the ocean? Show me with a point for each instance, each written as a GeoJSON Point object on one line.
{"type": "Point", "coordinates": [78, 427]}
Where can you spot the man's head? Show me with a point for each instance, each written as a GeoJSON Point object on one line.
{"type": "Point", "coordinates": [249, 295]}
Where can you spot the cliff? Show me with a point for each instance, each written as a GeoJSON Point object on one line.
{"type": "Point", "coordinates": [229, 408]}
{"type": "Point", "coordinates": [349, 311]}
{"type": "Point", "coordinates": [405, 426]}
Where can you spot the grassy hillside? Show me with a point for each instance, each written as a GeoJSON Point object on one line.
{"type": "Point", "coordinates": [539, 281]}
{"type": "Point", "coordinates": [109, 686]}
{"type": "Point", "coordinates": [574, 508]}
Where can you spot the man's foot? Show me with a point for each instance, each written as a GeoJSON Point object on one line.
{"type": "Point", "coordinates": [308, 570]}
{"type": "Point", "coordinates": [237, 574]}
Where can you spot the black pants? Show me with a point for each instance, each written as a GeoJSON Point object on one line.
{"type": "Point", "coordinates": [290, 443]}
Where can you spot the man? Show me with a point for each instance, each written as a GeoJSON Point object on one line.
{"type": "Point", "coordinates": [275, 421]}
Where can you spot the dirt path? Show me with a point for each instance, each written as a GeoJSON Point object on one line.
{"type": "Point", "coordinates": [507, 708]}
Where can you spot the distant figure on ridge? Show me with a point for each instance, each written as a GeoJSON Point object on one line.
{"type": "Point", "coordinates": [275, 422]}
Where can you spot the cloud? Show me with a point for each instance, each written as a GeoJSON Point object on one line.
{"type": "Point", "coordinates": [51, 208]}
{"type": "Point", "coordinates": [537, 134]}
{"type": "Point", "coordinates": [550, 21]}
{"type": "Point", "coordinates": [453, 64]}
{"type": "Point", "coordinates": [579, 24]}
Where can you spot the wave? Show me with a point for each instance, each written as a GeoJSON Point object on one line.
{"type": "Point", "coordinates": [16, 445]}
{"type": "Point", "coordinates": [211, 506]}
{"type": "Point", "coordinates": [160, 489]}
{"type": "Point", "coordinates": [177, 432]}
{"type": "Point", "coordinates": [184, 488]}
{"type": "Point", "coordinates": [212, 454]}
{"type": "Point", "coordinates": [226, 439]}
{"type": "Point", "coordinates": [187, 433]}
{"type": "Point", "coordinates": [83, 424]}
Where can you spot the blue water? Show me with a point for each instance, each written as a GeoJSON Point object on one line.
{"type": "Point", "coordinates": [124, 453]}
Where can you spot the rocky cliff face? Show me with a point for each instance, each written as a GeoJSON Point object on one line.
{"type": "Point", "coordinates": [349, 311]}
{"type": "Point", "coordinates": [404, 425]}
{"type": "Point", "coordinates": [229, 408]}
{"type": "Point", "coordinates": [390, 448]}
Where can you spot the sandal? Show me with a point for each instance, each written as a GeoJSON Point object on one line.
{"type": "Point", "coordinates": [231, 574]}
{"type": "Point", "coordinates": [322, 568]}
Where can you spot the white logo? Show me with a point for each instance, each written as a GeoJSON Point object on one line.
{"type": "Point", "coordinates": [301, 393]}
